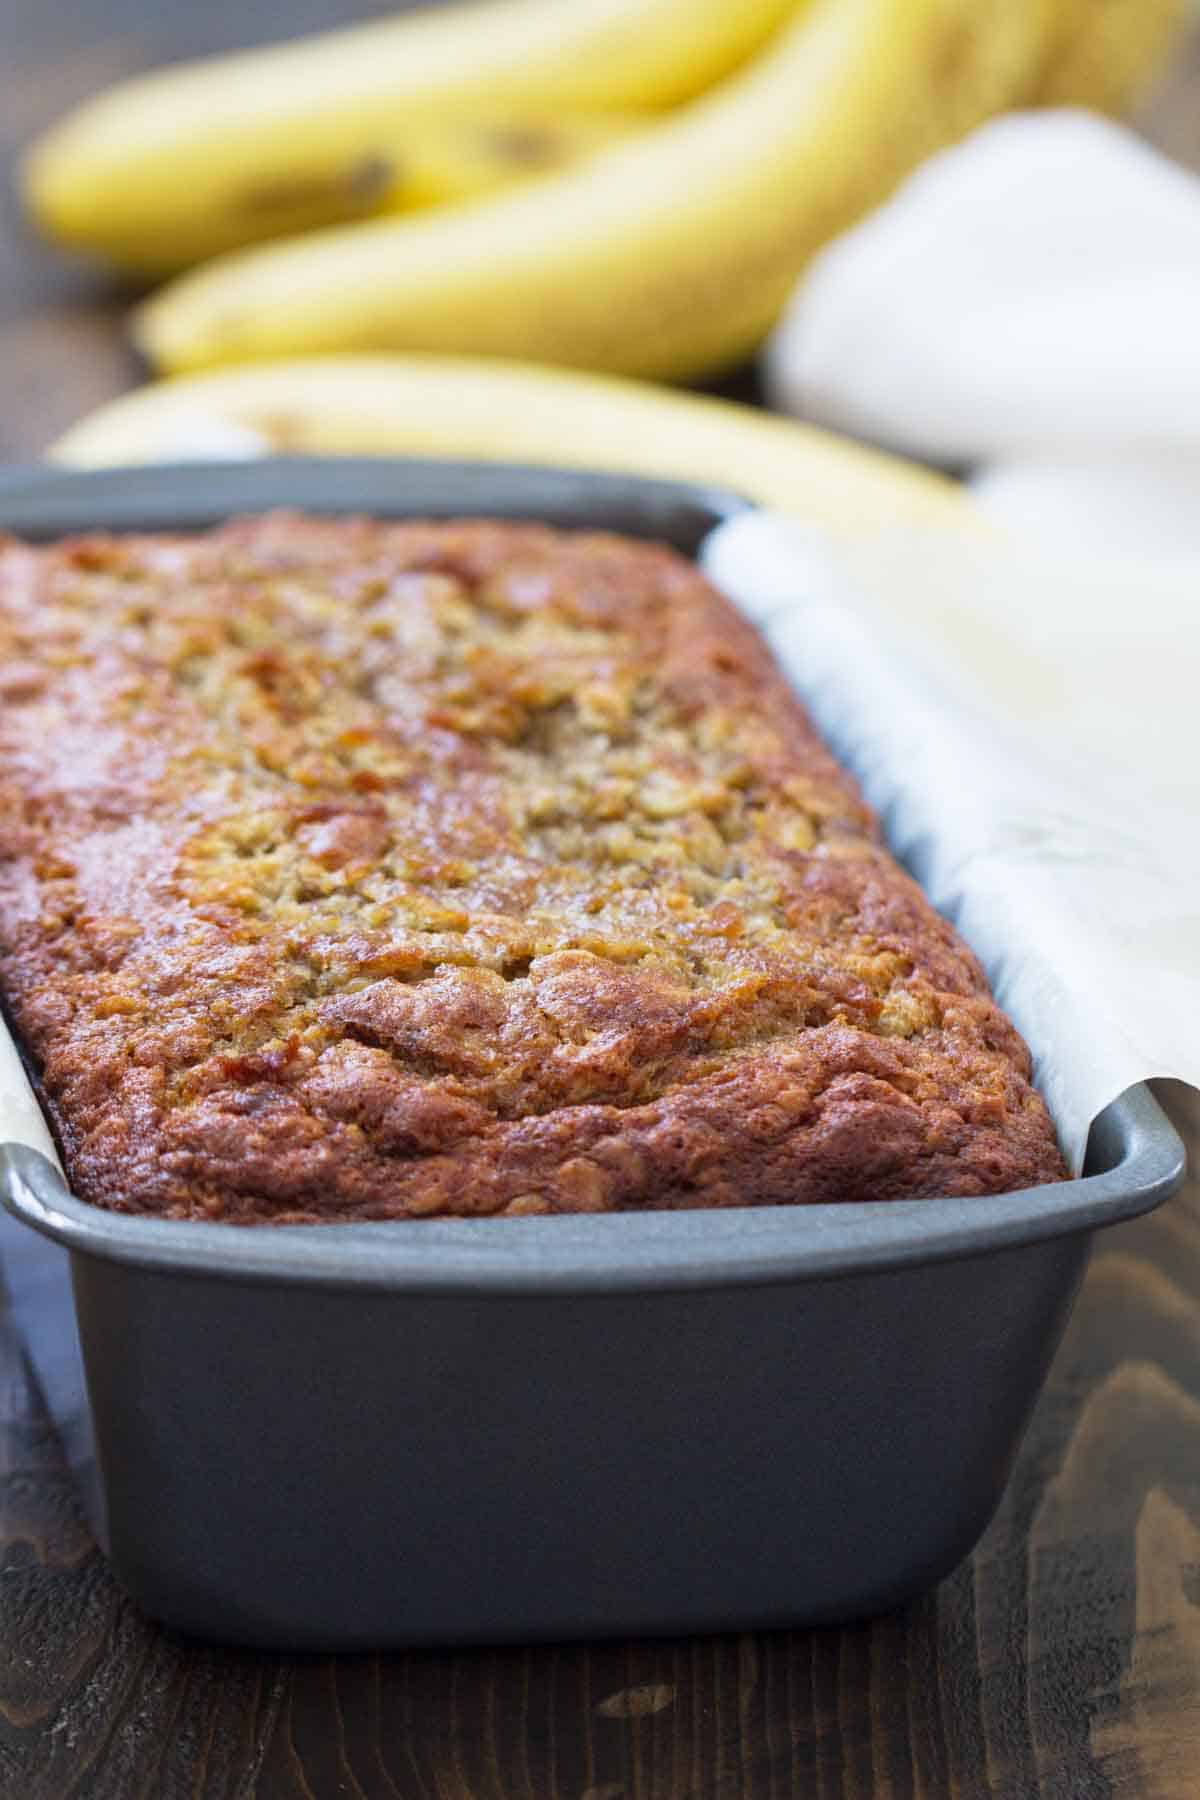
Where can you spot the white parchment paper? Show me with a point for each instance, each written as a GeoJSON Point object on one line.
{"type": "Point", "coordinates": [1027, 725]}
{"type": "Point", "coordinates": [21, 1120]}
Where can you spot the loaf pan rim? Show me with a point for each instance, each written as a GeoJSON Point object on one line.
{"type": "Point", "coordinates": [701, 1247]}
{"type": "Point", "coordinates": [42, 503]}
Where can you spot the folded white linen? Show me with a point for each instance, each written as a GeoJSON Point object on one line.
{"type": "Point", "coordinates": [1032, 297]}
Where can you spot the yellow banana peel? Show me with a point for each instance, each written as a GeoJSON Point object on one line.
{"type": "Point", "coordinates": [1106, 53]}
{"type": "Point", "coordinates": [493, 411]}
{"type": "Point", "coordinates": [191, 160]}
{"type": "Point", "coordinates": [668, 255]}
{"type": "Point", "coordinates": [464, 158]}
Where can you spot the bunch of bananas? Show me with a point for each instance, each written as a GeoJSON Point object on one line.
{"type": "Point", "coordinates": [621, 185]}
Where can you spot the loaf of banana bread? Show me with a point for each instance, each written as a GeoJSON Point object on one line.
{"type": "Point", "coordinates": [359, 870]}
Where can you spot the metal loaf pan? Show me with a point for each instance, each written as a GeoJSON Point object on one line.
{"type": "Point", "coordinates": [360, 1436]}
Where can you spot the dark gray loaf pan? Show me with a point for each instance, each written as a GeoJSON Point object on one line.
{"type": "Point", "coordinates": [360, 1436]}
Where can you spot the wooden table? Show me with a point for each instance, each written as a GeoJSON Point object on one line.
{"type": "Point", "coordinates": [1062, 1660]}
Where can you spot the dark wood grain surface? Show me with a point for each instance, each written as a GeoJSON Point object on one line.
{"type": "Point", "coordinates": [1062, 1661]}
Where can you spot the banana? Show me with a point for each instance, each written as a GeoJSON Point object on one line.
{"type": "Point", "coordinates": [425, 164]}
{"type": "Point", "coordinates": [507, 412]}
{"type": "Point", "coordinates": [172, 167]}
{"type": "Point", "coordinates": [1107, 52]}
{"type": "Point", "coordinates": [669, 254]}
{"type": "Point", "coordinates": [460, 159]}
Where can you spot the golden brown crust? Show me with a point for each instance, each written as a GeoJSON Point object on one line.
{"type": "Point", "coordinates": [356, 870]}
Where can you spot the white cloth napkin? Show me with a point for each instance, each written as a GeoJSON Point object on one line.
{"type": "Point", "coordinates": [1026, 725]}
{"type": "Point", "coordinates": [1028, 306]}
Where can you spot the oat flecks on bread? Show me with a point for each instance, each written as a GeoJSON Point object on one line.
{"type": "Point", "coordinates": [358, 870]}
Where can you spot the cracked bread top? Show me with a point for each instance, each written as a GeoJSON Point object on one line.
{"type": "Point", "coordinates": [362, 870]}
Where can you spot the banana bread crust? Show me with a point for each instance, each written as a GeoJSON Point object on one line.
{"type": "Point", "coordinates": [357, 870]}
